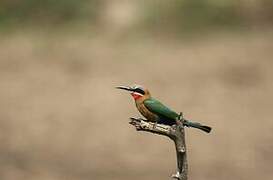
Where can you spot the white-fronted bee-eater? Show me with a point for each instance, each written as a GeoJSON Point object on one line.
{"type": "Point", "coordinates": [154, 111]}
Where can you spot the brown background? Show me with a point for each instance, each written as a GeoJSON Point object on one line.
{"type": "Point", "coordinates": [61, 118]}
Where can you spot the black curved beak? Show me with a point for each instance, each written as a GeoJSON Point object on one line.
{"type": "Point", "coordinates": [125, 88]}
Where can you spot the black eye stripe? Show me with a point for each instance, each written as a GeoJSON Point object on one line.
{"type": "Point", "coordinates": [139, 91]}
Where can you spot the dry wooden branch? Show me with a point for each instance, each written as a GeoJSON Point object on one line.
{"type": "Point", "coordinates": [176, 133]}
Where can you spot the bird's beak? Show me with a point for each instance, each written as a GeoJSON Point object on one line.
{"type": "Point", "coordinates": [125, 88]}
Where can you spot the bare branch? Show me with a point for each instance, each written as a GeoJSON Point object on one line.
{"type": "Point", "coordinates": [144, 125]}
{"type": "Point", "coordinates": [176, 133]}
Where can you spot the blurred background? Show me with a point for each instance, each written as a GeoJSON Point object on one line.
{"type": "Point", "coordinates": [61, 118]}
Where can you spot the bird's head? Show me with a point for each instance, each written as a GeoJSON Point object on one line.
{"type": "Point", "coordinates": [136, 91]}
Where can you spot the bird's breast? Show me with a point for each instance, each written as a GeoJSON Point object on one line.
{"type": "Point", "coordinates": [146, 113]}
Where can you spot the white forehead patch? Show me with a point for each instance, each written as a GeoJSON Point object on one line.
{"type": "Point", "coordinates": [135, 86]}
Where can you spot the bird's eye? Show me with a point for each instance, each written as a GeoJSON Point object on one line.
{"type": "Point", "coordinates": [141, 91]}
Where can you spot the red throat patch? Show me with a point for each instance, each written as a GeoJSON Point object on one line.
{"type": "Point", "coordinates": [136, 95]}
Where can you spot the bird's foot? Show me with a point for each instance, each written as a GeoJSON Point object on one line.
{"type": "Point", "coordinates": [177, 176]}
{"type": "Point", "coordinates": [181, 116]}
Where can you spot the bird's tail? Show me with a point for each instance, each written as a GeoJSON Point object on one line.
{"type": "Point", "coordinates": [188, 123]}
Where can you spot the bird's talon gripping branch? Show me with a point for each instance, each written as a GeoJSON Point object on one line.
{"type": "Point", "coordinates": [181, 116]}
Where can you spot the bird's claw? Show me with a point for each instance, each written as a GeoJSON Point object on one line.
{"type": "Point", "coordinates": [181, 116]}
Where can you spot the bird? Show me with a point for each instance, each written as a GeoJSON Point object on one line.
{"type": "Point", "coordinates": [154, 111]}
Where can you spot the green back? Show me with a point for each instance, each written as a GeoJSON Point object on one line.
{"type": "Point", "coordinates": [158, 108]}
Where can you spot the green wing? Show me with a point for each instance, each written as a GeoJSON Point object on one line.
{"type": "Point", "coordinates": [158, 108]}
